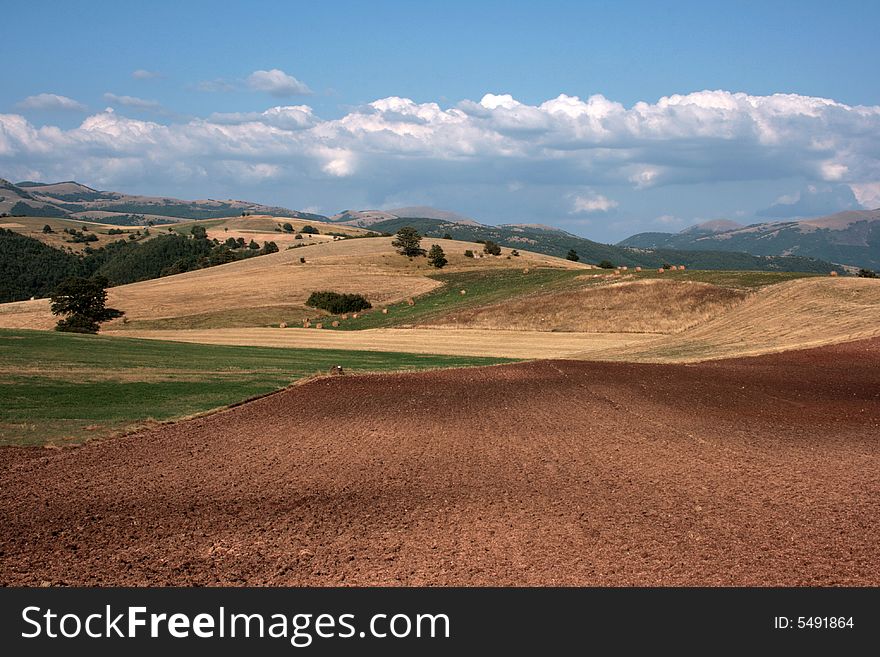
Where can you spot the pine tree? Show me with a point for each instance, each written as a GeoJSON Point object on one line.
{"type": "Point", "coordinates": [436, 257]}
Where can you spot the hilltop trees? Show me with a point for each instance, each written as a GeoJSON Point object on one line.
{"type": "Point", "coordinates": [199, 232]}
{"type": "Point", "coordinates": [572, 255]}
{"type": "Point", "coordinates": [436, 257]}
{"type": "Point", "coordinates": [83, 302]}
{"type": "Point", "coordinates": [408, 242]}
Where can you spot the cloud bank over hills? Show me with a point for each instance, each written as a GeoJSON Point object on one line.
{"type": "Point", "coordinates": [567, 159]}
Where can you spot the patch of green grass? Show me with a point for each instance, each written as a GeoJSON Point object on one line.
{"type": "Point", "coordinates": [232, 318]}
{"type": "Point", "coordinates": [482, 287]}
{"type": "Point", "coordinates": [58, 388]}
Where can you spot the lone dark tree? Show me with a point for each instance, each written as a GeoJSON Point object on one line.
{"type": "Point", "coordinates": [83, 302]}
{"type": "Point", "coordinates": [287, 227]}
{"type": "Point", "coordinates": [199, 232]}
{"type": "Point", "coordinates": [48, 229]}
{"type": "Point", "coordinates": [572, 255]}
{"type": "Point", "coordinates": [491, 248]}
{"type": "Point", "coordinates": [606, 264]}
{"type": "Point", "coordinates": [408, 242]}
{"type": "Point", "coordinates": [436, 257]}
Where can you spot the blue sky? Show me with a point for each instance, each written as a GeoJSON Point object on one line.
{"type": "Point", "coordinates": [193, 121]}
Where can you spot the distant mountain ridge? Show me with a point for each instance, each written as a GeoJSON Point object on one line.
{"type": "Point", "coordinates": [75, 200]}
{"type": "Point", "coordinates": [557, 242]}
{"type": "Point", "coordinates": [849, 238]}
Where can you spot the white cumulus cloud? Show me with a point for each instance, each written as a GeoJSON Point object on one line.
{"type": "Point", "coordinates": [277, 83]}
{"type": "Point", "coordinates": [591, 202]}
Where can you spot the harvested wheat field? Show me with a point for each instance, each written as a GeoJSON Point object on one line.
{"type": "Point", "coordinates": [450, 342]}
{"type": "Point", "coordinates": [644, 306]}
{"type": "Point", "coordinates": [799, 314]}
{"type": "Point", "coordinates": [762, 471]}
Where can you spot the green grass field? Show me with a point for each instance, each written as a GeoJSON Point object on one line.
{"type": "Point", "coordinates": [58, 388]}
{"type": "Point", "coordinates": [482, 287]}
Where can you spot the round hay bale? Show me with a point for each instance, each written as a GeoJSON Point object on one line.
{"type": "Point", "coordinates": [526, 270]}
{"type": "Point", "coordinates": [355, 316]}
{"type": "Point", "coordinates": [462, 292]}
{"type": "Point", "coordinates": [834, 273]}
{"type": "Point", "coordinates": [282, 325]}
{"type": "Point", "coordinates": [681, 267]}
{"type": "Point", "coordinates": [660, 270]}
{"type": "Point", "coordinates": [410, 302]}
{"type": "Point", "coordinates": [307, 324]}
{"type": "Point", "coordinates": [334, 323]}
{"type": "Point", "coordinates": [624, 268]}
{"type": "Point", "coordinates": [344, 317]}
{"type": "Point", "coordinates": [384, 311]}
{"type": "Point", "coordinates": [638, 269]}
{"type": "Point", "coordinates": [319, 325]}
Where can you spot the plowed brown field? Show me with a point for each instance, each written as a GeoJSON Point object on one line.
{"type": "Point", "coordinates": [751, 471]}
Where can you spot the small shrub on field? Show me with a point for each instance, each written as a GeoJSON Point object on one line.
{"type": "Point", "coordinates": [867, 273]}
{"type": "Point", "coordinates": [491, 248]}
{"type": "Point", "coordinates": [287, 227]}
{"type": "Point", "coordinates": [468, 254]}
{"type": "Point", "coordinates": [338, 303]}
{"type": "Point", "coordinates": [309, 230]}
{"type": "Point", "coordinates": [606, 264]}
{"type": "Point", "coordinates": [514, 253]}
{"type": "Point", "coordinates": [572, 255]}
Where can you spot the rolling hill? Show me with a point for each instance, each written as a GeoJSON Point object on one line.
{"type": "Point", "coordinates": [73, 199]}
{"type": "Point", "coordinates": [270, 289]}
{"type": "Point", "coordinates": [849, 238]}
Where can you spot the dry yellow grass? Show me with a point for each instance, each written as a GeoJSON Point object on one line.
{"type": "Point", "coordinates": [365, 266]}
{"type": "Point", "coordinates": [799, 314]}
{"type": "Point", "coordinates": [459, 342]}
{"type": "Point", "coordinates": [647, 306]}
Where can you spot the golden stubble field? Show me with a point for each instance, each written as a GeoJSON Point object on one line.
{"type": "Point", "coordinates": [793, 315]}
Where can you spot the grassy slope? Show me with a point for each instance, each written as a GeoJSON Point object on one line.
{"type": "Point", "coordinates": [62, 388]}
{"type": "Point", "coordinates": [489, 287]}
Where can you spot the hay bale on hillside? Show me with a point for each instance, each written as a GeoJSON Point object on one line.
{"type": "Point", "coordinates": [681, 267]}
{"type": "Point", "coordinates": [307, 324]}
{"type": "Point", "coordinates": [282, 325]}
{"type": "Point", "coordinates": [462, 292]}
{"type": "Point", "coordinates": [624, 268]}
{"type": "Point", "coordinates": [344, 317]}
{"type": "Point", "coordinates": [526, 270]}
{"type": "Point", "coordinates": [834, 273]}
{"type": "Point", "coordinates": [319, 325]}
{"type": "Point", "coordinates": [355, 316]}
{"type": "Point", "coordinates": [410, 302]}
{"type": "Point", "coordinates": [384, 311]}
{"type": "Point", "coordinates": [334, 324]}
{"type": "Point", "coordinates": [638, 269]}
{"type": "Point", "coordinates": [660, 270]}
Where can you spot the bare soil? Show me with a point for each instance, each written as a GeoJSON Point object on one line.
{"type": "Point", "coordinates": [754, 471]}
